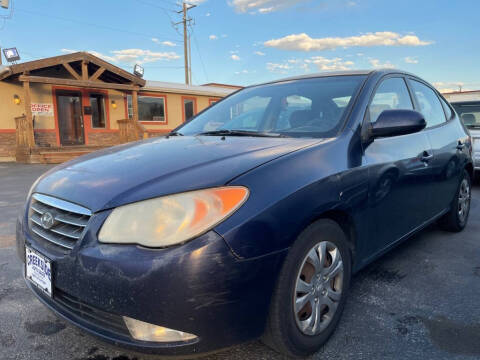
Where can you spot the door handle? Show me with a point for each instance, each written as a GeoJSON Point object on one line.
{"type": "Point", "coordinates": [461, 145]}
{"type": "Point", "coordinates": [426, 157]}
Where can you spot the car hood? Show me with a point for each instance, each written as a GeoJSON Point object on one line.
{"type": "Point", "coordinates": [160, 166]}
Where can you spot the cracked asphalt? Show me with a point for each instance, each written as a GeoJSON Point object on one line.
{"type": "Point", "coordinates": [420, 301]}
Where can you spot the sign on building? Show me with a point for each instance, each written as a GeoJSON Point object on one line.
{"type": "Point", "coordinates": [42, 109]}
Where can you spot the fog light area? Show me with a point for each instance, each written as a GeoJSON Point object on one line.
{"type": "Point", "coordinates": [143, 331]}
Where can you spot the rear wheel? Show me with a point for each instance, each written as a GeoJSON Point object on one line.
{"type": "Point", "coordinates": [456, 219]}
{"type": "Point", "coordinates": [311, 291]}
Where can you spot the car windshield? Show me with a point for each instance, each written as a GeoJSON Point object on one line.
{"type": "Point", "coordinates": [298, 108]}
{"type": "Point", "coordinates": [469, 113]}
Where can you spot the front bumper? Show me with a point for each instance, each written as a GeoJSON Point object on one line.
{"type": "Point", "coordinates": [200, 288]}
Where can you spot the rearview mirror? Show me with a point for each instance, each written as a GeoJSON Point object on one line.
{"type": "Point", "coordinates": [397, 122]}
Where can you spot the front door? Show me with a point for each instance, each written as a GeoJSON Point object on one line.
{"type": "Point", "coordinates": [399, 171]}
{"type": "Point", "coordinates": [70, 120]}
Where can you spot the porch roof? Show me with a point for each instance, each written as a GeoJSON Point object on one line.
{"type": "Point", "coordinates": [80, 69]}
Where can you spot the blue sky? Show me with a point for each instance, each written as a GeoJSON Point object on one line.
{"type": "Point", "coordinates": [249, 41]}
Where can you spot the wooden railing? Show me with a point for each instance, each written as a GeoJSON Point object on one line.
{"type": "Point", "coordinates": [131, 130]}
{"type": "Point", "coordinates": [24, 137]}
{"type": "Point", "coordinates": [24, 132]}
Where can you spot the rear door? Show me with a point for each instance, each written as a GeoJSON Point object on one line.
{"type": "Point", "coordinates": [399, 174]}
{"type": "Point", "coordinates": [447, 142]}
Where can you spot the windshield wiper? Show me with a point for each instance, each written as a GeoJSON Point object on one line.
{"type": "Point", "coordinates": [174, 133]}
{"type": "Point", "coordinates": [225, 132]}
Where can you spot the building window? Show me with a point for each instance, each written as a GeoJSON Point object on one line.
{"type": "Point", "coordinates": [129, 107]}
{"type": "Point", "coordinates": [151, 108]}
{"type": "Point", "coordinates": [212, 101]}
{"type": "Point", "coordinates": [189, 109]}
{"type": "Point", "coordinates": [97, 103]}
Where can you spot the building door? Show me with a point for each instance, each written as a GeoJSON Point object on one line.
{"type": "Point", "coordinates": [70, 119]}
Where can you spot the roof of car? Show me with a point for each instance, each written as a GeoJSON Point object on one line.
{"type": "Point", "coordinates": [339, 73]}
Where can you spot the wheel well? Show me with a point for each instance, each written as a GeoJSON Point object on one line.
{"type": "Point", "coordinates": [345, 221]}
{"type": "Point", "coordinates": [469, 168]}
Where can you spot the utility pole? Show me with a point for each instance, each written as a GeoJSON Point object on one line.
{"type": "Point", "coordinates": [185, 21]}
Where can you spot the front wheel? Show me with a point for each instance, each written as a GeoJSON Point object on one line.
{"type": "Point", "coordinates": [456, 219]}
{"type": "Point", "coordinates": [311, 291]}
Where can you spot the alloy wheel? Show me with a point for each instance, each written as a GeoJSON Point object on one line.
{"type": "Point", "coordinates": [318, 289]}
{"type": "Point", "coordinates": [464, 200]}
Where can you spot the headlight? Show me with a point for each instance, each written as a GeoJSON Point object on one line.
{"type": "Point", "coordinates": [171, 219]}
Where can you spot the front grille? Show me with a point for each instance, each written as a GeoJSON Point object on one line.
{"type": "Point", "coordinates": [57, 222]}
{"type": "Point", "coordinates": [111, 322]}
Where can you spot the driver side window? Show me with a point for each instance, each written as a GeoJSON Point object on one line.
{"type": "Point", "coordinates": [391, 94]}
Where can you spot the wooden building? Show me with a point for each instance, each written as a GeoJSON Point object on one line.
{"type": "Point", "coordinates": [54, 109]}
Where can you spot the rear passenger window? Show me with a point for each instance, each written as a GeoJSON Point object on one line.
{"type": "Point", "coordinates": [430, 106]}
{"type": "Point", "coordinates": [391, 94]}
{"type": "Point", "coordinates": [448, 111]}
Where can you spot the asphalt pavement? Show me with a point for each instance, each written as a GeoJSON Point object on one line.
{"type": "Point", "coordinates": [420, 301]}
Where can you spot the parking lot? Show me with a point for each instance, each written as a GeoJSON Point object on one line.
{"type": "Point", "coordinates": [420, 301]}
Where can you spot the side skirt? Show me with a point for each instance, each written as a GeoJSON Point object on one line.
{"type": "Point", "coordinates": [399, 241]}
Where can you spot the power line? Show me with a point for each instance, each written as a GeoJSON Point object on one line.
{"type": "Point", "coordinates": [150, 36]}
{"type": "Point", "coordinates": [200, 55]}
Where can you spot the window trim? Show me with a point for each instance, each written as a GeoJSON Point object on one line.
{"type": "Point", "coordinates": [417, 104]}
{"type": "Point", "coordinates": [194, 99]}
{"type": "Point", "coordinates": [105, 104]}
{"type": "Point", "coordinates": [165, 108]}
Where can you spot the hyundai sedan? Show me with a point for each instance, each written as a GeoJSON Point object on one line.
{"type": "Point", "coordinates": [249, 220]}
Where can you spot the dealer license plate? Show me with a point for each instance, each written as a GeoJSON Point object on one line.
{"type": "Point", "coordinates": [38, 270]}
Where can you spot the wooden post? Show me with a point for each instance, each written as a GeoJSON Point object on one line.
{"type": "Point", "coordinates": [135, 105]}
{"type": "Point", "coordinates": [84, 70]}
{"type": "Point", "coordinates": [135, 113]}
{"type": "Point", "coordinates": [28, 114]}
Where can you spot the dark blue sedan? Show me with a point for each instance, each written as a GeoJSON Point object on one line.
{"type": "Point", "coordinates": [250, 220]}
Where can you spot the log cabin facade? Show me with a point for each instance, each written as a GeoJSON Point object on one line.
{"type": "Point", "coordinates": [54, 109]}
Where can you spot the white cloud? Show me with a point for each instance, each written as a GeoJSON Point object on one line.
{"type": "Point", "coordinates": [277, 67]}
{"type": "Point", "coordinates": [242, 72]}
{"type": "Point", "coordinates": [224, 36]}
{"type": "Point", "coordinates": [303, 42]}
{"type": "Point", "coordinates": [262, 6]}
{"type": "Point", "coordinates": [410, 60]}
{"type": "Point", "coordinates": [208, 14]}
{"type": "Point", "coordinates": [166, 43]}
{"type": "Point", "coordinates": [213, 37]}
{"type": "Point", "coordinates": [195, 2]}
{"type": "Point", "coordinates": [259, 53]}
{"type": "Point", "coordinates": [93, 52]}
{"type": "Point", "coordinates": [319, 63]}
{"type": "Point", "coordinates": [235, 57]}
{"type": "Point", "coordinates": [132, 56]}
{"type": "Point", "coordinates": [335, 64]}
{"type": "Point", "coordinates": [375, 63]}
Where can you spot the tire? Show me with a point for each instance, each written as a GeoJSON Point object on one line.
{"type": "Point", "coordinates": [456, 219]}
{"type": "Point", "coordinates": [285, 331]}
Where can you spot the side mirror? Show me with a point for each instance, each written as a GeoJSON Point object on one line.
{"type": "Point", "coordinates": [397, 122]}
